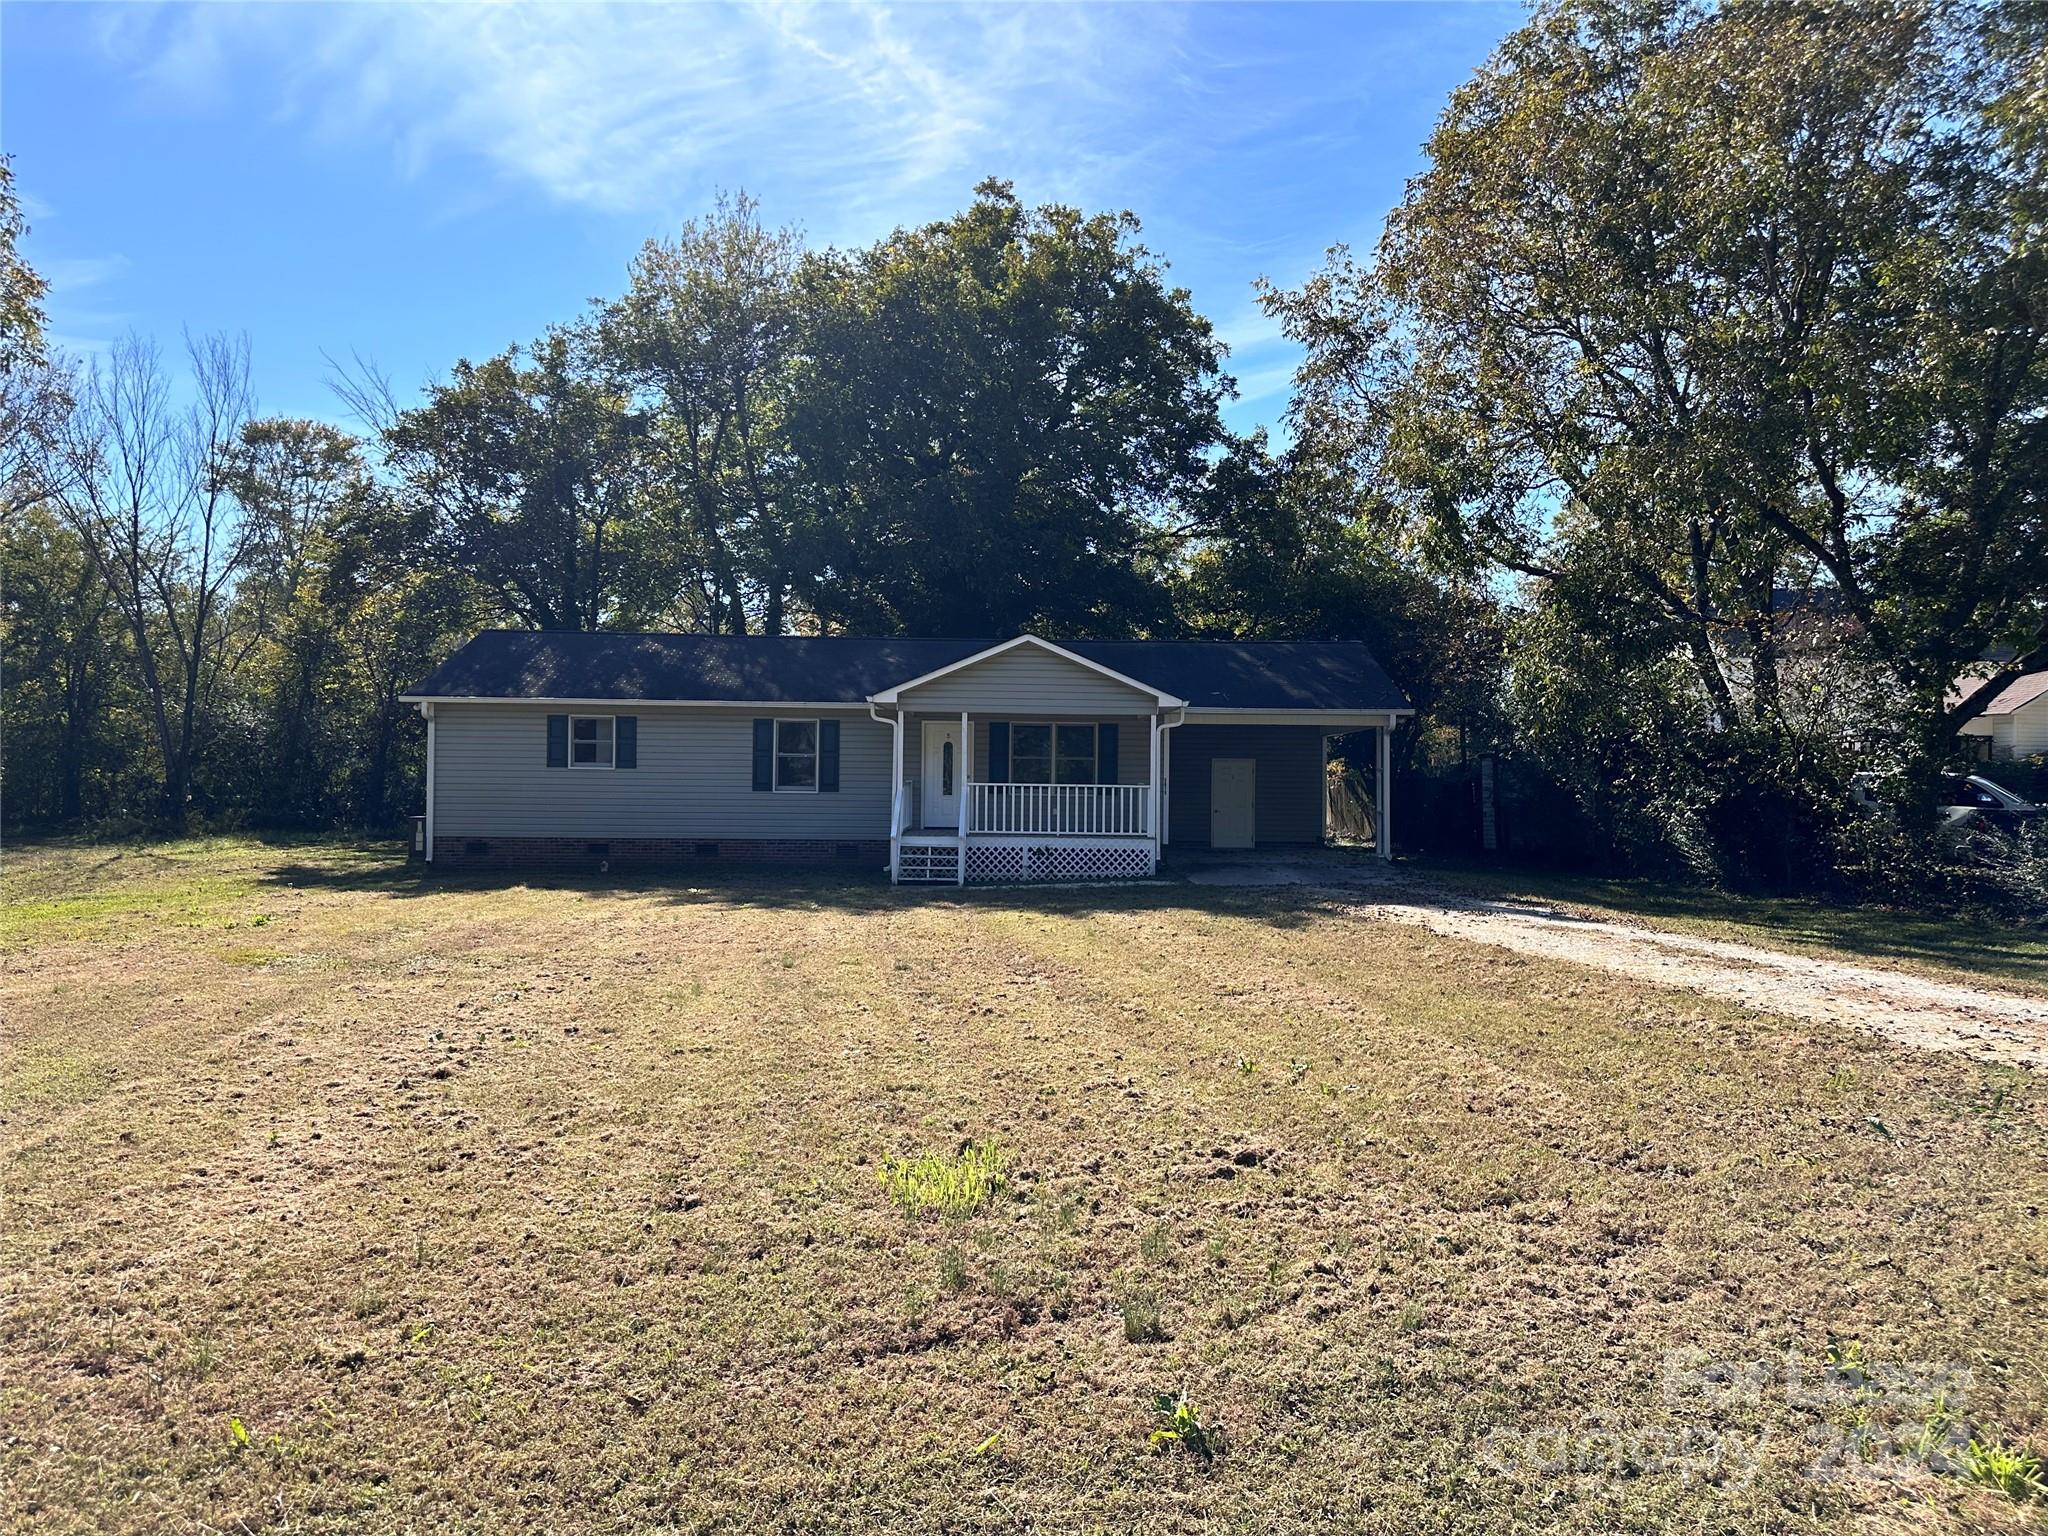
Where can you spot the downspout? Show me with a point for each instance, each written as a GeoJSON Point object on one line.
{"type": "Point", "coordinates": [1163, 790]}
{"type": "Point", "coordinates": [895, 722]}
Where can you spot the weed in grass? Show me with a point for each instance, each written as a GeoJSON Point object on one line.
{"type": "Point", "coordinates": [201, 1357]}
{"type": "Point", "coordinates": [1140, 1311]}
{"type": "Point", "coordinates": [2003, 1087]}
{"type": "Point", "coordinates": [2007, 1468]}
{"type": "Point", "coordinates": [1059, 1297]}
{"type": "Point", "coordinates": [945, 1186]}
{"type": "Point", "coordinates": [1411, 1319]}
{"type": "Point", "coordinates": [1246, 1066]}
{"type": "Point", "coordinates": [1062, 1216]}
{"type": "Point", "coordinates": [369, 1303]}
{"type": "Point", "coordinates": [1183, 1428]}
{"type": "Point", "coordinates": [238, 1432]}
{"type": "Point", "coordinates": [953, 1271]}
{"type": "Point", "coordinates": [1157, 1244]}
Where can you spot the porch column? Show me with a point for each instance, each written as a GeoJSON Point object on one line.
{"type": "Point", "coordinates": [428, 711]}
{"type": "Point", "coordinates": [960, 778]}
{"type": "Point", "coordinates": [896, 799]}
{"type": "Point", "coordinates": [1383, 798]}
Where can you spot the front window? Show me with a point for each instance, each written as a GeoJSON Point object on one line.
{"type": "Point", "coordinates": [1031, 754]}
{"type": "Point", "coordinates": [1074, 762]}
{"type": "Point", "coordinates": [796, 754]}
{"type": "Point", "coordinates": [590, 741]}
{"type": "Point", "coordinates": [1052, 754]}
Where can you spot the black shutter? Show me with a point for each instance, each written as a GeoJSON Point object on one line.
{"type": "Point", "coordinates": [626, 741]}
{"type": "Point", "coordinates": [764, 754]}
{"type": "Point", "coordinates": [999, 751]}
{"type": "Point", "coordinates": [558, 741]}
{"type": "Point", "coordinates": [1105, 753]}
{"type": "Point", "coordinates": [828, 755]}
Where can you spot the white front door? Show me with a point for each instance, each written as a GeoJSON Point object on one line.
{"type": "Point", "coordinates": [943, 770]}
{"type": "Point", "coordinates": [1233, 791]}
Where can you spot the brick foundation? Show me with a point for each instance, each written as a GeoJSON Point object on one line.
{"type": "Point", "coordinates": [867, 855]}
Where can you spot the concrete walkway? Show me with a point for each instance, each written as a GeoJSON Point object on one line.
{"type": "Point", "coordinates": [1979, 1021]}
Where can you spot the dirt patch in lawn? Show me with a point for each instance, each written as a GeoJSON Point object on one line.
{"type": "Point", "coordinates": [562, 1207]}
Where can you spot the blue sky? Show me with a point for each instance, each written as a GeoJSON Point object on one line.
{"type": "Point", "coordinates": [418, 184]}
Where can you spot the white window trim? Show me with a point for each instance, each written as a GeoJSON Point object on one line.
{"type": "Point", "coordinates": [817, 755]}
{"type": "Point", "coordinates": [587, 767]}
{"type": "Point", "coordinates": [1052, 760]}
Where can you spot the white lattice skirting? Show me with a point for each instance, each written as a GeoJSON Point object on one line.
{"type": "Point", "coordinates": [1014, 862]}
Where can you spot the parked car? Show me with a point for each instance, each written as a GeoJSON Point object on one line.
{"type": "Point", "coordinates": [1968, 803]}
{"type": "Point", "coordinates": [1977, 802]}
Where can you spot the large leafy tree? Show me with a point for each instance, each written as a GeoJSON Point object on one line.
{"type": "Point", "coordinates": [525, 472]}
{"type": "Point", "coordinates": [296, 481]}
{"type": "Point", "coordinates": [1731, 318]}
{"type": "Point", "coordinates": [704, 338]}
{"type": "Point", "coordinates": [68, 710]}
{"type": "Point", "coordinates": [1290, 548]}
{"type": "Point", "coordinates": [1001, 415]}
{"type": "Point", "coordinates": [21, 286]}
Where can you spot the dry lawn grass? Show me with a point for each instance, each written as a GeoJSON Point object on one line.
{"type": "Point", "coordinates": [339, 1201]}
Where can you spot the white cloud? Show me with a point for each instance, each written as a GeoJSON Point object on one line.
{"type": "Point", "coordinates": [73, 274]}
{"type": "Point", "coordinates": [646, 108]}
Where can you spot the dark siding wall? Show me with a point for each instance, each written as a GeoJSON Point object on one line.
{"type": "Point", "coordinates": [1290, 780]}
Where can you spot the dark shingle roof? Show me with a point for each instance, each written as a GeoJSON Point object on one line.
{"type": "Point", "coordinates": [795, 669]}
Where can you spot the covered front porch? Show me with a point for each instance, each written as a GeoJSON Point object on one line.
{"type": "Point", "coordinates": [1008, 797]}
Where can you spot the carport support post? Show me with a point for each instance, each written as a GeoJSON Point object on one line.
{"type": "Point", "coordinates": [428, 711]}
{"type": "Point", "coordinates": [1383, 798]}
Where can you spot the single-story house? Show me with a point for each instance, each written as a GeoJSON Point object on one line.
{"type": "Point", "coordinates": [2015, 724]}
{"type": "Point", "coordinates": [947, 760]}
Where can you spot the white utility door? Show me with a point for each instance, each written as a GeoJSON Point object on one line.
{"type": "Point", "coordinates": [1233, 790]}
{"type": "Point", "coordinates": [943, 770]}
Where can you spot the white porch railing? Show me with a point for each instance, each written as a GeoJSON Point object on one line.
{"type": "Point", "coordinates": [1064, 810]}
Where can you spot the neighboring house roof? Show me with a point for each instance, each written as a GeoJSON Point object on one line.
{"type": "Point", "coordinates": [835, 669]}
{"type": "Point", "coordinates": [2014, 695]}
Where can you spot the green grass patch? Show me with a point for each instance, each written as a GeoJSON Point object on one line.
{"type": "Point", "coordinates": [934, 1184]}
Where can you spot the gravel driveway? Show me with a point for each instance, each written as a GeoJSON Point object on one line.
{"type": "Point", "coordinates": [1914, 1010]}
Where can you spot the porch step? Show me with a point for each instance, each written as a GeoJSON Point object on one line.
{"type": "Point", "coordinates": [928, 861]}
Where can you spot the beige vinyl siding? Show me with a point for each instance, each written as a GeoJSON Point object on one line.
{"type": "Point", "coordinates": [695, 778]}
{"type": "Point", "coordinates": [1027, 681]}
{"type": "Point", "coordinates": [1288, 794]}
{"type": "Point", "coordinates": [2029, 728]}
